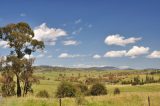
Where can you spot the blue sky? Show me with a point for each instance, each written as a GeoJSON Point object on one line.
{"type": "Point", "coordinates": [85, 33]}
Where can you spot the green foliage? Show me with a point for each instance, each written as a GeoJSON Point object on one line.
{"type": "Point", "coordinates": [20, 39]}
{"type": "Point", "coordinates": [98, 89]}
{"type": "Point", "coordinates": [27, 77]}
{"type": "Point", "coordinates": [65, 89]}
{"type": "Point", "coordinates": [126, 82]}
{"type": "Point", "coordinates": [91, 80]}
{"type": "Point", "coordinates": [43, 94]}
{"type": "Point", "coordinates": [8, 84]}
{"type": "Point", "coordinates": [82, 88]}
{"type": "Point", "coordinates": [150, 79]}
{"type": "Point", "coordinates": [116, 91]}
{"type": "Point", "coordinates": [136, 81]}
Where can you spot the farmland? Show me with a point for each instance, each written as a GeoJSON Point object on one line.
{"type": "Point", "coordinates": [133, 95]}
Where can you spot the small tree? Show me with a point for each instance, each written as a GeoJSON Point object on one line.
{"type": "Point", "coordinates": [116, 91]}
{"type": "Point", "coordinates": [66, 89]}
{"type": "Point", "coordinates": [82, 88]}
{"type": "Point", "coordinates": [8, 84]}
{"type": "Point", "coordinates": [43, 94]}
{"type": "Point", "coordinates": [98, 89]}
{"type": "Point", "coordinates": [27, 77]}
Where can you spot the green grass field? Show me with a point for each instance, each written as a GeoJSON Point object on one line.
{"type": "Point", "coordinates": [130, 95]}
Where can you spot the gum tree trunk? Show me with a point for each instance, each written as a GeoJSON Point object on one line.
{"type": "Point", "coordinates": [18, 87]}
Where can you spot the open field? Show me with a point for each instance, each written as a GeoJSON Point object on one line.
{"type": "Point", "coordinates": [129, 96]}
{"type": "Point", "coordinates": [124, 99]}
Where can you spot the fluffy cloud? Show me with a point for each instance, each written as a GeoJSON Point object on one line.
{"type": "Point", "coordinates": [4, 44]}
{"type": "Point", "coordinates": [133, 52]}
{"type": "Point", "coordinates": [87, 65]}
{"type": "Point", "coordinates": [28, 56]}
{"type": "Point", "coordinates": [154, 54]}
{"type": "Point", "coordinates": [136, 51]}
{"type": "Point", "coordinates": [48, 35]}
{"type": "Point", "coordinates": [63, 55]}
{"type": "Point", "coordinates": [120, 40]}
{"type": "Point", "coordinates": [115, 53]}
{"type": "Point", "coordinates": [66, 55]}
{"type": "Point", "coordinates": [70, 42]}
{"type": "Point", "coordinates": [96, 56]}
{"type": "Point", "coordinates": [31, 56]}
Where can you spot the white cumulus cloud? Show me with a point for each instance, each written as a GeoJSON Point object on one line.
{"type": "Point", "coordinates": [66, 55]}
{"type": "Point", "coordinates": [48, 35]}
{"type": "Point", "coordinates": [136, 51]}
{"type": "Point", "coordinates": [63, 55]}
{"type": "Point", "coordinates": [120, 40]}
{"type": "Point", "coordinates": [70, 42]}
{"type": "Point", "coordinates": [154, 54]}
{"type": "Point", "coordinates": [96, 56]}
{"type": "Point", "coordinates": [28, 56]}
{"type": "Point", "coordinates": [133, 52]}
{"type": "Point", "coordinates": [4, 44]}
{"type": "Point", "coordinates": [115, 53]}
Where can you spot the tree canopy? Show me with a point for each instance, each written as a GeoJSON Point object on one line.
{"type": "Point", "coordinates": [20, 39]}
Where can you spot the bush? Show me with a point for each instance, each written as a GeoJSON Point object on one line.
{"type": "Point", "coordinates": [98, 89]}
{"type": "Point", "coordinates": [91, 80]}
{"type": "Point", "coordinates": [43, 94]}
{"type": "Point", "coordinates": [7, 84]}
{"type": "Point", "coordinates": [82, 88]}
{"type": "Point", "coordinates": [116, 91]}
{"type": "Point", "coordinates": [8, 89]}
{"type": "Point", "coordinates": [66, 89]}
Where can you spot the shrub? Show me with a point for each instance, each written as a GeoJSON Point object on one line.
{"type": "Point", "coordinates": [91, 80]}
{"type": "Point", "coordinates": [82, 88]}
{"type": "Point", "coordinates": [7, 84]}
{"type": "Point", "coordinates": [116, 91]}
{"type": "Point", "coordinates": [43, 94]}
{"type": "Point", "coordinates": [126, 82]}
{"type": "Point", "coordinates": [98, 89]}
{"type": "Point", "coordinates": [8, 89]}
{"type": "Point", "coordinates": [65, 89]}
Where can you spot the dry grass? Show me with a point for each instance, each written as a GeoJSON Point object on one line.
{"type": "Point", "coordinates": [124, 99]}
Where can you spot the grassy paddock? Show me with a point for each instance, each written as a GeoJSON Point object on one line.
{"type": "Point", "coordinates": [130, 95]}
{"type": "Point", "coordinates": [124, 99]}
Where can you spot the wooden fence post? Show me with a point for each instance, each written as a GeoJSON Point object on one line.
{"type": "Point", "coordinates": [149, 101]}
{"type": "Point", "coordinates": [60, 102]}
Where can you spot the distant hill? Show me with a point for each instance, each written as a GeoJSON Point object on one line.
{"type": "Point", "coordinates": [105, 68]}
{"type": "Point", "coordinates": [151, 69]}
{"type": "Point", "coordinates": [57, 68]}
